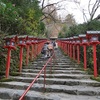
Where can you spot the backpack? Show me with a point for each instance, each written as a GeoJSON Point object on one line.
{"type": "Point", "coordinates": [42, 51]}
{"type": "Point", "coordinates": [54, 44]}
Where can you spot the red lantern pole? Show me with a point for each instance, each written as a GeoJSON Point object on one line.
{"type": "Point", "coordinates": [10, 44]}
{"type": "Point", "coordinates": [85, 57]}
{"type": "Point", "coordinates": [27, 54]}
{"type": "Point", "coordinates": [74, 51]}
{"type": "Point", "coordinates": [71, 47]}
{"type": "Point", "coordinates": [32, 52]}
{"type": "Point", "coordinates": [38, 47]}
{"type": "Point", "coordinates": [8, 62]}
{"type": "Point", "coordinates": [21, 58]}
{"type": "Point", "coordinates": [35, 50]}
{"type": "Point", "coordinates": [78, 54]}
{"type": "Point", "coordinates": [84, 43]}
{"type": "Point", "coordinates": [62, 45]}
{"type": "Point", "coordinates": [21, 44]}
{"type": "Point", "coordinates": [95, 60]}
{"type": "Point", "coordinates": [70, 50]}
{"type": "Point", "coordinates": [94, 40]}
{"type": "Point", "coordinates": [67, 47]}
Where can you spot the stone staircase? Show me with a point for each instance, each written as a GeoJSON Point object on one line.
{"type": "Point", "coordinates": [66, 82]}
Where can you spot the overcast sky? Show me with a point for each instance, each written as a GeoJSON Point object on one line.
{"type": "Point", "coordinates": [72, 8]}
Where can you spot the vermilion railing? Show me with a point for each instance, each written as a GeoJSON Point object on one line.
{"type": "Point", "coordinates": [71, 47]}
{"type": "Point", "coordinates": [43, 69]}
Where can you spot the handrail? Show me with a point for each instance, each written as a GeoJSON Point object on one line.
{"type": "Point", "coordinates": [44, 68]}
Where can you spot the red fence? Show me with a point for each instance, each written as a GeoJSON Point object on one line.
{"type": "Point", "coordinates": [71, 46]}
{"type": "Point", "coordinates": [27, 42]}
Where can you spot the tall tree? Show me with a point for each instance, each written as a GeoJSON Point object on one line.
{"type": "Point", "coordinates": [20, 17]}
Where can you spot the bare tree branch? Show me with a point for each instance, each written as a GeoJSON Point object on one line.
{"type": "Point", "coordinates": [43, 3]}
{"type": "Point", "coordinates": [43, 7]}
{"type": "Point", "coordinates": [49, 14]}
{"type": "Point", "coordinates": [94, 9]}
{"type": "Point", "coordinates": [81, 9]}
{"type": "Point", "coordinates": [89, 7]}
{"type": "Point", "coordinates": [44, 17]}
{"type": "Point", "coordinates": [84, 16]}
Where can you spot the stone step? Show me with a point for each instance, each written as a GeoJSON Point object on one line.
{"type": "Point", "coordinates": [61, 69]}
{"type": "Point", "coordinates": [63, 66]}
{"type": "Point", "coordinates": [75, 90]}
{"type": "Point", "coordinates": [14, 94]}
{"type": "Point", "coordinates": [70, 82]}
{"type": "Point", "coordinates": [65, 59]}
{"type": "Point", "coordinates": [66, 82]}
{"type": "Point", "coordinates": [56, 64]}
{"type": "Point", "coordinates": [57, 68]}
{"type": "Point", "coordinates": [56, 71]}
{"type": "Point", "coordinates": [53, 66]}
{"type": "Point", "coordinates": [63, 76]}
{"type": "Point", "coordinates": [57, 59]}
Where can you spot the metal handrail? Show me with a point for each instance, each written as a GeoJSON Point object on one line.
{"type": "Point", "coordinates": [43, 69]}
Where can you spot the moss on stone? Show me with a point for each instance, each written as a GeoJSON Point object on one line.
{"type": "Point", "coordinates": [6, 79]}
{"type": "Point", "coordinates": [14, 73]}
{"type": "Point", "coordinates": [95, 78]}
{"type": "Point", "coordinates": [89, 71]}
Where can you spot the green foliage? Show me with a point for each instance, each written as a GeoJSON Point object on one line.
{"type": "Point", "coordinates": [80, 28]}
{"type": "Point", "coordinates": [6, 80]}
{"type": "Point", "coordinates": [8, 17]}
{"type": "Point", "coordinates": [93, 25]}
{"type": "Point", "coordinates": [76, 29]}
{"type": "Point", "coordinates": [14, 63]}
{"type": "Point", "coordinates": [20, 17]}
{"type": "Point", "coordinates": [96, 78]}
{"type": "Point", "coordinates": [3, 55]}
{"type": "Point", "coordinates": [14, 73]}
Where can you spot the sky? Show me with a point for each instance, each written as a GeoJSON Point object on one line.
{"type": "Point", "coordinates": [69, 7]}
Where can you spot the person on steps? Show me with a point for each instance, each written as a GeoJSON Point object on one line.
{"type": "Point", "coordinates": [50, 49]}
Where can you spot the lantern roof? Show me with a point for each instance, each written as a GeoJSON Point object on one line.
{"type": "Point", "coordinates": [93, 32]}
{"type": "Point", "coordinates": [11, 37]}
{"type": "Point", "coordinates": [82, 35]}
{"type": "Point", "coordinates": [71, 38]}
{"type": "Point", "coordinates": [22, 36]}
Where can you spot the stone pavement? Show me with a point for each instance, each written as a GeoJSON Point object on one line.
{"type": "Point", "coordinates": [66, 82]}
